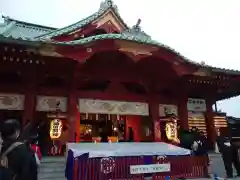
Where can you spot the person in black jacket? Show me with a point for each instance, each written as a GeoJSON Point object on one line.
{"type": "Point", "coordinates": [228, 155]}
{"type": "Point", "coordinates": [130, 134]}
{"type": "Point", "coordinates": [103, 134]}
{"type": "Point", "coordinates": [202, 151]}
{"type": "Point", "coordinates": [20, 160]}
{"type": "Point", "coordinates": [186, 138]}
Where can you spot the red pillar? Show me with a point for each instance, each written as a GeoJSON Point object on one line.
{"type": "Point", "coordinates": [210, 122]}
{"type": "Point", "coordinates": [30, 96]}
{"type": "Point", "coordinates": [29, 106]}
{"type": "Point", "coordinates": [154, 114]}
{"type": "Point", "coordinates": [183, 112]}
{"type": "Point", "coordinates": [73, 117]}
{"type": "Point", "coordinates": [73, 110]}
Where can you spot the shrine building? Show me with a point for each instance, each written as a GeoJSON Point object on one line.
{"type": "Point", "coordinates": [99, 72]}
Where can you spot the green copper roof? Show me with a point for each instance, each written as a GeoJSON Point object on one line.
{"type": "Point", "coordinates": [134, 34]}
{"type": "Point", "coordinates": [106, 5]}
{"type": "Point", "coordinates": [143, 38]}
{"type": "Point", "coordinates": [17, 29]}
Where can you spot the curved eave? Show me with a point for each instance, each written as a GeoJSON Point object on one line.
{"type": "Point", "coordinates": [123, 37]}
{"type": "Point", "coordinates": [147, 42]}
{"type": "Point", "coordinates": [136, 39]}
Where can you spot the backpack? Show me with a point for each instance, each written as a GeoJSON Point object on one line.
{"type": "Point", "coordinates": [5, 172]}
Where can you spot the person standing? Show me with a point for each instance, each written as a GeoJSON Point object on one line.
{"type": "Point", "coordinates": [103, 134]}
{"type": "Point", "coordinates": [130, 134]}
{"type": "Point", "coordinates": [17, 161]}
{"type": "Point", "coordinates": [202, 151]}
{"type": "Point", "coordinates": [229, 155]}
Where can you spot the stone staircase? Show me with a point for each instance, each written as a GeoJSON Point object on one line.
{"type": "Point", "coordinates": [52, 168]}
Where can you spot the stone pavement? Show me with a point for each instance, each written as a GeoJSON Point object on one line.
{"type": "Point", "coordinates": [217, 167]}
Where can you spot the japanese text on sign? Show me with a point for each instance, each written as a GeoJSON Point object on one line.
{"type": "Point", "coordinates": [152, 168]}
{"type": "Point", "coordinates": [55, 128]}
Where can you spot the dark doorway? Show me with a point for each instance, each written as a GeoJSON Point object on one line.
{"type": "Point", "coordinates": [8, 114]}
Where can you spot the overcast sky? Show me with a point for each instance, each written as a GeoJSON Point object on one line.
{"type": "Point", "coordinates": [202, 30]}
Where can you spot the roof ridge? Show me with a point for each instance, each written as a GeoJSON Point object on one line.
{"type": "Point", "coordinates": [7, 27]}
{"type": "Point", "coordinates": [8, 19]}
{"type": "Point", "coordinates": [104, 7]}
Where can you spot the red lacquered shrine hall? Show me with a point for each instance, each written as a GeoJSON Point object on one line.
{"type": "Point", "coordinates": [99, 72]}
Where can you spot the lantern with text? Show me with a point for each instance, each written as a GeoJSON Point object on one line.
{"type": "Point", "coordinates": [55, 128]}
{"type": "Point", "coordinates": [171, 131]}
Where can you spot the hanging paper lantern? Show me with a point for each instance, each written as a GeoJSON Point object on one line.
{"type": "Point", "coordinates": [171, 131]}
{"type": "Point", "coordinates": [55, 128]}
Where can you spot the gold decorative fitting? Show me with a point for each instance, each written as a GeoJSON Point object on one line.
{"type": "Point", "coordinates": [89, 50]}
{"type": "Point", "coordinates": [75, 35]}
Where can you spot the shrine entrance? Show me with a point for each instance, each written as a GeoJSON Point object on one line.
{"type": "Point", "coordinates": [52, 125]}
{"type": "Point", "coordinates": [114, 121]}
{"type": "Point", "coordinates": [94, 126]}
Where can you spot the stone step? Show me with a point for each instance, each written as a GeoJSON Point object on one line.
{"type": "Point", "coordinates": [39, 178]}
{"type": "Point", "coordinates": [49, 165]}
{"type": "Point", "coordinates": [52, 175]}
{"type": "Point", "coordinates": [47, 169]}
{"type": "Point", "coordinates": [52, 168]}
{"type": "Point", "coordinates": [53, 159]}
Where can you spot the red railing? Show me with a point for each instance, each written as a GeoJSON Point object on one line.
{"type": "Point", "coordinates": [118, 168]}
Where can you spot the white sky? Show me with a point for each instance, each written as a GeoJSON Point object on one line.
{"type": "Point", "coordinates": [202, 30]}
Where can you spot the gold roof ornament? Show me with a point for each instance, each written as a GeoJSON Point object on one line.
{"type": "Point", "coordinates": [107, 4]}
